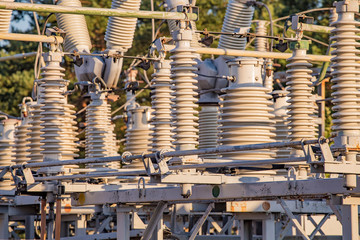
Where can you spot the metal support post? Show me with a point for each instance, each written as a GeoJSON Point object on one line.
{"type": "Point", "coordinates": [58, 219]}
{"type": "Point", "coordinates": [350, 221]}
{"type": "Point", "coordinates": [29, 227]}
{"type": "Point", "coordinates": [50, 229]}
{"type": "Point", "coordinates": [201, 221]}
{"type": "Point", "coordinates": [157, 215]}
{"type": "Point", "coordinates": [268, 228]}
{"type": "Point", "coordinates": [43, 219]}
{"type": "Point", "coordinates": [80, 225]}
{"type": "Point", "coordinates": [4, 226]}
{"type": "Point", "coordinates": [123, 223]}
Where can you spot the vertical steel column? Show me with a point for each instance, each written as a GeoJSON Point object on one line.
{"type": "Point", "coordinates": [123, 224]}
{"type": "Point", "coordinates": [268, 228]}
{"type": "Point", "coordinates": [184, 86]}
{"type": "Point", "coordinates": [350, 221]}
{"type": "Point", "coordinates": [4, 226]}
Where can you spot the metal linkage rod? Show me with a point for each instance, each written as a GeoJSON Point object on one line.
{"type": "Point", "coordinates": [106, 12]}
{"type": "Point", "coordinates": [167, 154]}
{"type": "Point", "coordinates": [17, 56]}
{"type": "Point", "coordinates": [175, 167]}
{"type": "Point", "coordinates": [30, 37]}
{"type": "Point", "coordinates": [257, 54]}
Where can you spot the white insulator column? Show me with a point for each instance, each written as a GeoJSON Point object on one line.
{"type": "Point", "coordinates": [245, 112]}
{"type": "Point", "coordinates": [35, 133]}
{"type": "Point", "coordinates": [208, 118]}
{"type": "Point", "coordinates": [138, 137]}
{"type": "Point", "coordinates": [7, 129]}
{"type": "Point", "coordinates": [77, 35]}
{"type": "Point", "coordinates": [5, 18]}
{"type": "Point", "coordinates": [281, 122]}
{"type": "Point", "coordinates": [260, 42]}
{"type": "Point", "coordinates": [345, 79]}
{"type": "Point", "coordinates": [56, 117]}
{"type": "Point", "coordinates": [21, 134]}
{"type": "Point", "coordinates": [184, 82]}
{"type": "Point", "coordinates": [161, 105]}
{"type": "Point", "coordinates": [99, 132]}
{"type": "Point", "coordinates": [120, 30]}
{"type": "Point", "coordinates": [301, 108]}
{"type": "Point", "coordinates": [238, 15]}
{"type": "Point", "coordinates": [171, 6]}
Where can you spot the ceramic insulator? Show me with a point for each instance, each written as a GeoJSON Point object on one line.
{"type": "Point", "coordinates": [173, 26]}
{"type": "Point", "coordinates": [161, 105]}
{"type": "Point", "coordinates": [138, 136]}
{"type": "Point", "coordinates": [5, 18]}
{"type": "Point", "coordinates": [238, 15]}
{"type": "Point", "coordinates": [281, 123]}
{"type": "Point", "coordinates": [184, 82]}
{"type": "Point", "coordinates": [245, 112]}
{"type": "Point", "coordinates": [208, 118]}
{"type": "Point", "coordinates": [56, 116]}
{"type": "Point", "coordinates": [346, 117]}
{"type": "Point", "coordinates": [120, 31]}
{"type": "Point", "coordinates": [22, 138]}
{"type": "Point", "coordinates": [301, 108]}
{"type": "Point", "coordinates": [77, 34]}
{"type": "Point", "coordinates": [7, 129]}
{"type": "Point", "coordinates": [99, 132]}
{"type": "Point", "coordinates": [260, 43]}
{"type": "Point", "coordinates": [35, 133]}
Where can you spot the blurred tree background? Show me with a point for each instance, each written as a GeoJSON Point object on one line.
{"type": "Point", "coordinates": [16, 79]}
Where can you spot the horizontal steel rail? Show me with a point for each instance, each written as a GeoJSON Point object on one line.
{"type": "Point", "coordinates": [221, 149]}
{"type": "Point", "coordinates": [106, 12]}
{"type": "Point", "coordinates": [177, 167]}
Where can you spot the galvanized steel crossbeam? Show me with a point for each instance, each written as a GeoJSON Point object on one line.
{"type": "Point", "coordinates": [304, 189]}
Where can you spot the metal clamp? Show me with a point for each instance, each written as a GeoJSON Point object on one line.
{"type": "Point", "coordinates": [123, 158]}
{"type": "Point", "coordinates": [161, 161]}
{"type": "Point", "coordinates": [142, 192]}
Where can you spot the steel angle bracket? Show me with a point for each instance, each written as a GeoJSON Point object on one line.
{"type": "Point", "coordinates": [28, 176]}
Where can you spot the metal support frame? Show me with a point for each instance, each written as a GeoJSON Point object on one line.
{"type": "Point", "coordinates": [294, 221]}
{"type": "Point", "coordinates": [157, 215]}
{"type": "Point", "coordinates": [319, 225]}
{"type": "Point", "coordinates": [123, 223]}
{"type": "Point", "coordinates": [195, 230]}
